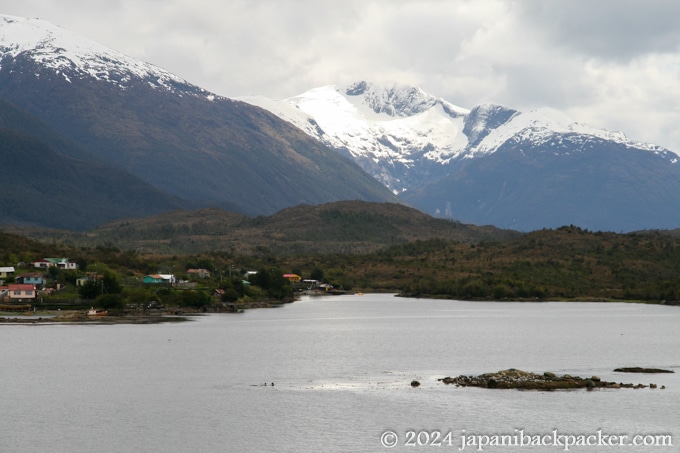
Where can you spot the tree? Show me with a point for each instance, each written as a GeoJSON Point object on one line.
{"type": "Point", "coordinates": [239, 287]}
{"type": "Point", "coordinates": [195, 299]}
{"type": "Point", "coordinates": [275, 285]}
{"type": "Point", "coordinates": [110, 284]}
{"type": "Point", "coordinates": [107, 284]}
{"type": "Point", "coordinates": [262, 278]}
{"type": "Point", "coordinates": [316, 274]}
{"type": "Point", "coordinates": [109, 301]}
{"type": "Point", "coordinates": [232, 287]}
{"type": "Point", "coordinates": [230, 295]}
{"type": "Point", "coordinates": [90, 290]}
{"type": "Point", "coordinates": [140, 295]}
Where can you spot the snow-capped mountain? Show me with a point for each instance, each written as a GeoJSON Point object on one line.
{"type": "Point", "coordinates": [487, 165]}
{"type": "Point", "coordinates": [406, 138]}
{"type": "Point", "coordinates": [430, 151]}
{"type": "Point", "coordinates": [171, 134]}
{"type": "Point", "coordinates": [70, 56]}
{"type": "Point", "coordinates": [398, 134]}
{"type": "Point", "coordinates": [540, 126]}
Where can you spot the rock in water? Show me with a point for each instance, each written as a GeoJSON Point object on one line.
{"type": "Point", "coordinates": [523, 380]}
{"type": "Point", "coordinates": [638, 369]}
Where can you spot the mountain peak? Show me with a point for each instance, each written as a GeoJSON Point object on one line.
{"type": "Point", "coordinates": [387, 129]}
{"type": "Point", "coordinates": [405, 137]}
{"type": "Point", "coordinates": [395, 100]}
{"type": "Point", "coordinates": [399, 100]}
{"type": "Point", "coordinates": [72, 56]}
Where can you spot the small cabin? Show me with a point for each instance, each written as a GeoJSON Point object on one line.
{"type": "Point", "coordinates": [159, 279]}
{"type": "Point", "coordinates": [293, 278]}
{"type": "Point", "coordinates": [6, 272]}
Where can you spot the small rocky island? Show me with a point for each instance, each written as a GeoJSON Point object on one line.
{"type": "Point", "coordinates": [638, 369]}
{"type": "Point", "coordinates": [524, 380]}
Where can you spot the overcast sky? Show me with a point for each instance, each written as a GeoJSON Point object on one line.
{"type": "Point", "coordinates": [613, 64]}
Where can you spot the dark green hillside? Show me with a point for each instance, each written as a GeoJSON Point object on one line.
{"type": "Point", "coordinates": [16, 119]}
{"type": "Point", "coordinates": [568, 263]}
{"type": "Point", "coordinates": [358, 227]}
{"type": "Point", "coordinates": [347, 227]}
{"type": "Point", "coordinates": [42, 187]}
{"type": "Point", "coordinates": [17, 246]}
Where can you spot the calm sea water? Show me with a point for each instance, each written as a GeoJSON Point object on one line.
{"type": "Point", "coordinates": [341, 367]}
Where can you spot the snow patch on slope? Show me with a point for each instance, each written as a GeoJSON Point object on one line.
{"type": "Point", "coordinates": [541, 125]}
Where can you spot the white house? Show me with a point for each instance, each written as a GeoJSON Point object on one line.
{"type": "Point", "coordinates": [6, 272]}
{"type": "Point", "coordinates": [61, 263]}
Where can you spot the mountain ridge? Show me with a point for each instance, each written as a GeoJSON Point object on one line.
{"type": "Point", "coordinates": [348, 117]}
{"type": "Point", "coordinates": [425, 155]}
{"type": "Point", "coordinates": [341, 227]}
{"type": "Point", "coordinates": [175, 136]}
{"type": "Point", "coordinates": [359, 142]}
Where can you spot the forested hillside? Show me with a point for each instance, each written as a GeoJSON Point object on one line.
{"type": "Point", "coordinates": [568, 263]}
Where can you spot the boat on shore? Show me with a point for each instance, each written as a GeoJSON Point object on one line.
{"type": "Point", "coordinates": [95, 312]}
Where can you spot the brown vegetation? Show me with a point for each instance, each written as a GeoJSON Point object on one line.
{"type": "Point", "coordinates": [386, 247]}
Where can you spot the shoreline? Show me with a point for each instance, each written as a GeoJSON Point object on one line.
{"type": "Point", "coordinates": [80, 317]}
{"type": "Point", "coordinates": [127, 316]}
{"type": "Point", "coordinates": [598, 300]}
{"type": "Point", "coordinates": [182, 314]}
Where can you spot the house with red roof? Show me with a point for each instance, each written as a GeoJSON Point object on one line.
{"type": "Point", "coordinates": [17, 293]}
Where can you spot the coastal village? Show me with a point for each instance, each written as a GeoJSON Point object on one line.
{"type": "Point", "coordinates": [28, 287]}
{"type": "Point", "coordinates": [31, 287]}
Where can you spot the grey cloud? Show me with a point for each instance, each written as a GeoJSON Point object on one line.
{"type": "Point", "coordinates": [608, 29]}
